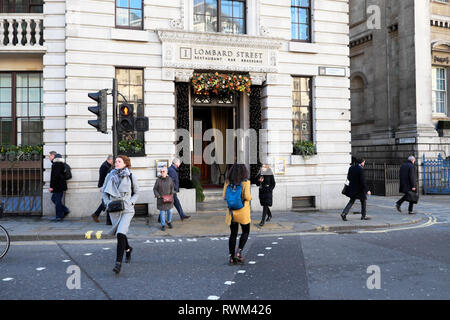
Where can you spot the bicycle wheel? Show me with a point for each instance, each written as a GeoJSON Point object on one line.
{"type": "Point", "coordinates": [4, 242]}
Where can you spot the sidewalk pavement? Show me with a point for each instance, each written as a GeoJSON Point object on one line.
{"type": "Point", "coordinates": [380, 209]}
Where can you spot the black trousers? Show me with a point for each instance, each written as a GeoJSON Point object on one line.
{"type": "Point", "coordinates": [100, 209]}
{"type": "Point", "coordinates": [352, 202]}
{"type": "Point", "coordinates": [122, 245]}
{"type": "Point", "coordinates": [403, 199]}
{"type": "Point", "coordinates": [266, 212]}
{"type": "Point", "coordinates": [234, 227]}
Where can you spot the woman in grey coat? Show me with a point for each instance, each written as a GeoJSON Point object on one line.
{"type": "Point", "coordinates": [120, 184]}
{"type": "Point", "coordinates": [164, 186]}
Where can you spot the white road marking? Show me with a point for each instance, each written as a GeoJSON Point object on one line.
{"type": "Point", "coordinates": [213, 298]}
{"type": "Point", "coordinates": [7, 279]}
{"type": "Point", "coordinates": [260, 254]}
{"type": "Point", "coordinates": [241, 271]}
{"type": "Point", "coordinates": [40, 268]}
{"type": "Point", "coordinates": [274, 242]}
{"type": "Point", "coordinates": [229, 283]}
{"type": "Point", "coordinates": [106, 248]}
{"type": "Point", "coordinates": [65, 261]}
{"type": "Point", "coordinates": [88, 254]}
{"type": "Point", "coordinates": [252, 262]}
{"type": "Point", "coordinates": [268, 248]}
{"type": "Point", "coordinates": [431, 221]}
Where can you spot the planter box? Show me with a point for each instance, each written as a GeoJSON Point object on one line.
{"type": "Point", "coordinates": [20, 164]}
{"type": "Point", "coordinates": [297, 160]}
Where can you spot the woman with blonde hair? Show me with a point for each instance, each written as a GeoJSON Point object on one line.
{"type": "Point", "coordinates": [120, 193]}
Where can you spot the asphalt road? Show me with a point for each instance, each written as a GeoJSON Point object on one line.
{"type": "Point", "coordinates": [401, 264]}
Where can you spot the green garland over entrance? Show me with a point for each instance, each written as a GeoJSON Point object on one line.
{"type": "Point", "coordinates": [220, 84]}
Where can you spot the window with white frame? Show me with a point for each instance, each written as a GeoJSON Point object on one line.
{"type": "Point", "coordinates": [439, 90]}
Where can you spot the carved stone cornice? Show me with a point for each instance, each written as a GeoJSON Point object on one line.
{"type": "Point", "coordinates": [221, 39]}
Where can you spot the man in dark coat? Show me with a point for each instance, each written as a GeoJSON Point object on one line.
{"type": "Point", "coordinates": [407, 183]}
{"type": "Point", "coordinates": [58, 186]}
{"type": "Point", "coordinates": [173, 173]}
{"type": "Point", "coordinates": [105, 168]}
{"type": "Point", "coordinates": [357, 189]}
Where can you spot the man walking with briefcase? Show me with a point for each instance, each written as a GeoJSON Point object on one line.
{"type": "Point", "coordinates": [408, 185]}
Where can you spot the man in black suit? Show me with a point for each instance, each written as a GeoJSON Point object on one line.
{"type": "Point", "coordinates": [357, 189]}
{"type": "Point", "coordinates": [407, 183]}
{"type": "Point", "coordinates": [103, 172]}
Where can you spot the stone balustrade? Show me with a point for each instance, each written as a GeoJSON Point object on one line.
{"type": "Point", "coordinates": [21, 32]}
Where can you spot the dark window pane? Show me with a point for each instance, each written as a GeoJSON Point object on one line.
{"type": "Point", "coordinates": [6, 135]}
{"type": "Point", "coordinates": [21, 6]}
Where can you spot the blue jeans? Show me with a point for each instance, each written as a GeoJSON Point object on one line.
{"type": "Point", "coordinates": [60, 208]}
{"type": "Point", "coordinates": [162, 216]}
{"type": "Point", "coordinates": [177, 204]}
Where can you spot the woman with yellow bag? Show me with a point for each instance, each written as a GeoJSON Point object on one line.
{"type": "Point", "coordinates": [238, 196]}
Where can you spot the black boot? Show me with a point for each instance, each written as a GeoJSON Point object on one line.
{"type": "Point", "coordinates": [263, 219]}
{"type": "Point", "coordinates": [269, 215]}
{"type": "Point", "coordinates": [344, 216]}
{"type": "Point", "coordinates": [117, 267]}
{"type": "Point", "coordinates": [128, 255]}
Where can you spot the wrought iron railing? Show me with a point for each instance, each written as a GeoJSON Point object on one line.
{"type": "Point", "coordinates": [21, 187]}
{"type": "Point", "coordinates": [436, 175]}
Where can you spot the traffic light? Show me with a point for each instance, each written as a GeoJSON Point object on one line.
{"type": "Point", "coordinates": [141, 124]}
{"type": "Point", "coordinates": [126, 120]}
{"type": "Point", "coordinates": [100, 110]}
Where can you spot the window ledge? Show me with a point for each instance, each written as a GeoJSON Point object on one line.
{"type": "Point", "coordinates": [298, 160]}
{"type": "Point", "coordinates": [303, 47]}
{"type": "Point", "coordinates": [130, 35]}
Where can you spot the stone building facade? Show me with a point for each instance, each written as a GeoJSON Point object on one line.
{"type": "Point", "coordinates": [295, 53]}
{"type": "Point", "coordinates": [399, 54]}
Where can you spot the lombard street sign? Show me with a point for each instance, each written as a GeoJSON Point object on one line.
{"type": "Point", "coordinates": [218, 51]}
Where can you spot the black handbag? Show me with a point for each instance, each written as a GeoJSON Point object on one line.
{"type": "Point", "coordinates": [115, 206]}
{"type": "Point", "coordinates": [412, 197]}
{"type": "Point", "coordinates": [345, 189]}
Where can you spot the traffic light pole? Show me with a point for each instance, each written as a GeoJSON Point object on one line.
{"type": "Point", "coordinates": [114, 126]}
